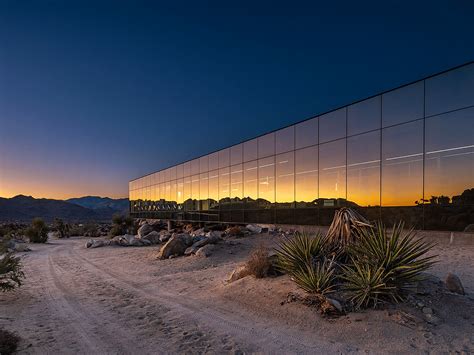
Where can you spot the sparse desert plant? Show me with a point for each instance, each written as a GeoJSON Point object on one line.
{"type": "Point", "coordinates": [8, 342]}
{"type": "Point", "coordinates": [122, 225]}
{"type": "Point", "coordinates": [11, 273]}
{"type": "Point", "coordinates": [38, 231]}
{"type": "Point", "coordinates": [385, 264]}
{"type": "Point", "coordinates": [61, 228]}
{"type": "Point", "coordinates": [296, 252]}
{"type": "Point", "coordinates": [316, 277]}
{"type": "Point", "coordinates": [366, 284]}
{"type": "Point", "coordinates": [259, 263]}
{"type": "Point", "coordinates": [345, 228]}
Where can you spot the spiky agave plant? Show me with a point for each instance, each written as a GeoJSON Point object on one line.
{"type": "Point", "coordinates": [316, 277]}
{"type": "Point", "coordinates": [385, 265]}
{"type": "Point", "coordinates": [296, 252]}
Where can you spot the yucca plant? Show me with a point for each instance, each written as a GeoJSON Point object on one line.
{"type": "Point", "coordinates": [296, 252]}
{"type": "Point", "coordinates": [316, 277]}
{"type": "Point", "coordinates": [346, 226]}
{"type": "Point", "coordinates": [366, 284]}
{"type": "Point", "coordinates": [384, 265]}
{"type": "Point", "coordinates": [11, 273]}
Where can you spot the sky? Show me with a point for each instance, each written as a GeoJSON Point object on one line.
{"type": "Point", "coordinates": [96, 93]}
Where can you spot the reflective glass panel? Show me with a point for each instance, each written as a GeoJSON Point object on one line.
{"type": "Point", "coordinates": [450, 91]}
{"type": "Point", "coordinates": [168, 191]}
{"type": "Point", "coordinates": [332, 170]}
{"type": "Point", "coordinates": [163, 191]}
{"type": "Point", "coordinates": [204, 191]}
{"type": "Point", "coordinates": [251, 180]}
{"type": "Point", "coordinates": [187, 168]}
{"type": "Point", "coordinates": [173, 173]}
{"type": "Point", "coordinates": [306, 177]}
{"type": "Point", "coordinates": [306, 133]}
{"type": "Point", "coordinates": [285, 139]}
{"type": "Point", "coordinates": [179, 171]}
{"type": "Point", "coordinates": [214, 187]}
{"type": "Point", "coordinates": [332, 125]}
{"type": "Point", "coordinates": [214, 161]}
{"type": "Point", "coordinates": [250, 150]}
{"type": "Point", "coordinates": [266, 145]}
{"type": "Point", "coordinates": [363, 169]}
{"type": "Point", "coordinates": [403, 105]}
{"type": "Point", "coordinates": [285, 177]}
{"type": "Point", "coordinates": [204, 164]}
{"type": "Point", "coordinates": [266, 180]}
{"type": "Point", "coordinates": [449, 161]}
{"type": "Point", "coordinates": [195, 187]}
{"type": "Point", "coordinates": [364, 116]}
{"type": "Point", "coordinates": [236, 154]}
{"type": "Point", "coordinates": [224, 158]}
{"type": "Point", "coordinates": [173, 191]}
{"type": "Point", "coordinates": [224, 183]}
{"type": "Point", "coordinates": [194, 166]}
{"type": "Point", "coordinates": [402, 164]}
{"type": "Point", "coordinates": [236, 176]}
{"type": "Point", "coordinates": [187, 188]}
{"type": "Point", "coordinates": [180, 191]}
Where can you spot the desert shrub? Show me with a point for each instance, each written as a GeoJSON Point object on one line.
{"type": "Point", "coordinates": [91, 230]}
{"type": "Point", "coordinates": [385, 265]}
{"type": "Point", "coordinates": [38, 231]}
{"type": "Point", "coordinates": [346, 227]}
{"type": "Point", "coordinates": [11, 273]}
{"type": "Point", "coordinates": [122, 225]}
{"type": "Point", "coordinates": [259, 263]}
{"type": "Point", "coordinates": [295, 253]}
{"type": "Point", "coordinates": [76, 230]}
{"type": "Point", "coordinates": [316, 277]}
{"type": "Point", "coordinates": [8, 342]}
{"type": "Point", "coordinates": [61, 228]}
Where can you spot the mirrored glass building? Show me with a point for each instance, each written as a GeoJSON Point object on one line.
{"type": "Point", "coordinates": [406, 154]}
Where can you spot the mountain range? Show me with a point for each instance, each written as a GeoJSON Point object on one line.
{"type": "Point", "coordinates": [89, 208]}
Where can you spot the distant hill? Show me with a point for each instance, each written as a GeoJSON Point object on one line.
{"type": "Point", "coordinates": [25, 208]}
{"type": "Point", "coordinates": [101, 203]}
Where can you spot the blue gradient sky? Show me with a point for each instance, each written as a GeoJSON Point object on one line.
{"type": "Point", "coordinates": [93, 94]}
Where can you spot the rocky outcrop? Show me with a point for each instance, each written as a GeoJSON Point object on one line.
{"type": "Point", "coordinates": [153, 237]}
{"type": "Point", "coordinates": [176, 246]}
{"type": "Point", "coordinates": [253, 228]}
{"type": "Point", "coordinates": [144, 230]}
{"type": "Point", "coordinates": [96, 243]}
{"type": "Point", "coordinates": [205, 251]}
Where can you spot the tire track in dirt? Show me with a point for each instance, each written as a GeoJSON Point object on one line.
{"type": "Point", "coordinates": [222, 321]}
{"type": "Point", "coordinates": [85, 323]}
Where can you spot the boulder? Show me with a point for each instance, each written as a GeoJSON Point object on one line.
{"type": "Point", "coordinates": [254, 228]}
{"type": "Point", "coordinates": [164, 236]}
{"type": "Point", "coordinates": [152, 237]}
{"type": "Point", "coordinates": [336, 304]}
{"type": "Point", "coordinates": [453, 284]}
{"type": "Point", "coordinates": [205, 251]}
{"type": "Point", "coordinates": [21, 247]}
{"type": "Point", "coordinates": [175, 246]}
{"type": "Point", "coordinates": [144, 230]}
{"type": "Point", "coordinates": [96, 243]}
{"type": "Point", "coordinates": [238, 273]}
{"type": "Point", "coordinates": [214, 234]}
{"type": "Point", "coordinates": [191, 250]}
{"type": "Point", "coordinates": [198, 232]}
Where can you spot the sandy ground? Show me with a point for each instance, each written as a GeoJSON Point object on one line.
{"type": "Point", "coordinates": [124, 300]}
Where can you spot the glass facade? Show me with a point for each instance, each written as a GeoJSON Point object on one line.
{"type": "Point", "coordinates": [407, 154]}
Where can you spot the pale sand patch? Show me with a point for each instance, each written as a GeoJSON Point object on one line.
{"type": "Point", "coordinates": [124, 300]}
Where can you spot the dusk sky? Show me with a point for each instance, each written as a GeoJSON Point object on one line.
{"type": "Point", "coordinates": [94, 94]}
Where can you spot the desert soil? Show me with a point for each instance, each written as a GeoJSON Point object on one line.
{"type": "Point", "coordinates": [124, 300]}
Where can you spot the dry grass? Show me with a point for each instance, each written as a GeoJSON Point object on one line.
{"type": "Point", "coordinates": [259, 263]}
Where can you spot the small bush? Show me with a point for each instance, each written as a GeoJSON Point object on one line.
{"type": "Point", "coordinates": [295, 253]}
{"type": "Point", "coordinates": [259, 263]}
{"type": "Point", "coordinates": [11, 273]}
{"type": "Point", "coordinates": [122, 225]}
{"type": "Point", "coordinates": [61, 228]}
{"type": "Point", "coordinates": [38, 231]}
{"type": "Point", "coordinates": [316, 277]}
{"type": "Point", "coordinates": [385, 265]}
{"type": "Point", "coordinates": [8, 342]}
